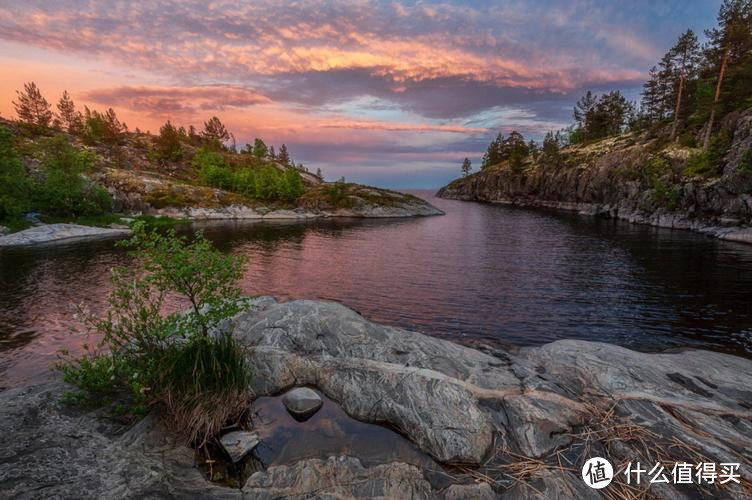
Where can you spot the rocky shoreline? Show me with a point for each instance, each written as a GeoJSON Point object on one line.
{"type": "Point", "coordinates": [67, 233]}
{"type": "Point", "coordinates": [635, 178]}
{"type": "Point", "coordinates": [730, 232]}
{"type": "Point", "coordinates": [476, 411]}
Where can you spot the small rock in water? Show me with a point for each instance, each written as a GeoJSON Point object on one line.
{"type": "Point", "coordinates": [238, 444]}
{"type": "Point", "coordinates": [302, 403]}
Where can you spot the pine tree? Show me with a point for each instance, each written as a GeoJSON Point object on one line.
{"type": "Point", "coordinates": [260, 150]}
{"type": "Point", "coordinates": [466, 167]}
{"type": "Point", "coordinates": [168, 145]}
{"type": "Point", "coordinates": [32, 108]}
{"type": "Point", "coordinates": [685, 57]}
{"type": "Point", "coordinates": [69, 119]}
{"type": "Point", "coordinates": [215, 132]}
{"type": "Point", "coordinates": [283, 157]}
{"type": "Point", "coordinates": [728, 44]}
{"type": "Point", "coordinates": [583, 107]}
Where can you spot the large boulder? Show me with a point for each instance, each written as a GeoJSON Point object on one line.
{"type": "Point", "coordinates": [529, 414]}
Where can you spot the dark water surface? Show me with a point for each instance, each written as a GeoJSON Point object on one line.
{"type": "Point", "coordinates": [486, 273]}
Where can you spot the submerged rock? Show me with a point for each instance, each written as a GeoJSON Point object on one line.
{"type": "Point", "coordinates": [459, 404]}
{"type": "Point", "coordinates": [302, 402]}
{"type": "Point", "coordinates": [238, 444]}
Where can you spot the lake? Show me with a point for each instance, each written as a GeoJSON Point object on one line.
{"type": "Point", "coordinates": [480, 274]}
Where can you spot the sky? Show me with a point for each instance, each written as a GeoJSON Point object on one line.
{"type": "Point", "coordinates": [392, 93]}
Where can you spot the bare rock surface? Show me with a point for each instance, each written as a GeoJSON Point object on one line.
{"type": "Point", "coordinates": [238, 444]}
{"type": "Point", "coordinates": [53, 233]}
{"type": "Point", "coordinates": [302, 402]}
{"type": "Point", "coordinates": [483, 407]}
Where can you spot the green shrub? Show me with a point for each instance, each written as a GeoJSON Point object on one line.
{"type": "Point", "coordinates": [653, 170]}
{"type": "Point", "coordinates": [665, 195]}
{"type": "Point", "coordinates": [64, 191]}
{"type": "Point", "coordinates": [699, 165]}
{"type": "Point", "coordinates": [174, 361]}
{"type": "Point", "coordinates": [15, 184]}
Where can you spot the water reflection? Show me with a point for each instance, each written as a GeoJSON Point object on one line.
{"type": "Point", "coordinates": [481, 273]}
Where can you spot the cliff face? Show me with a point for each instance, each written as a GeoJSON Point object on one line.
{"type": "Point", "coordinates": [634, 178]}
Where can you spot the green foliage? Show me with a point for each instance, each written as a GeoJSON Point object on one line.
{"type": "Point", "coordinates": [32, 108]}
{"type": "Point", "coordinates": [577, 136]}
{"type": "Point", "coordinates": [337, 193]}
{"type": "Point", "coordinates": [102, 127]}
{"type": "Point", "coordinates": [264, 183]}
{"type": "Point", "coordinates": [665, 194]}
{"type": "Point", "coordinates": [171, 360]}
{"type": "Point", "coordinates": [15, 185]}
{"type": "Point", "coordinates": [652, 171]}
{"type": "Point", "coordinates": [699, 165]}
{"type": "Point", "coordinates": [64, 191]}
{"type": "Point", "coordinates": [168, 144]}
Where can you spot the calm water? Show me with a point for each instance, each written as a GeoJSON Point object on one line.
{"type": "Point", "coordinates": [481, 273]}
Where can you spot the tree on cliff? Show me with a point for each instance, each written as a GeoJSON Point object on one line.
{"type": "Point", "coordinates": [283, 156]}
{"type": "Point", "coordinates": [729, 50]}
{"type": "Point", "coordinates": [466, 167]}
{"type": "Point", "coordinates": [32, 108]}
{"type": "Point", "coordinates": [67, 117]}
{"type": "Point", "coordinates": [493, 153]}
{"type": "Point", "coordinates": [215, 132]}
{"type": "Point", "coordinates": [259, 150]}
{"type": "Point", "coordinates": [168, 145]}
{"type": "Point", "coordinates": [604, 116]}
{"type": "Point", "coordinates": [684, 59]}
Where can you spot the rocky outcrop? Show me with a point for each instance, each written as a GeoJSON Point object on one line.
{"type": "Point", "coordinates": [56, 233]}
{"type": "Point", "coordinates": [632, 178]}
{"type": "Point", "coordinates": [411, 208]}
{"type": "Point", "coordinates": [484, 408]}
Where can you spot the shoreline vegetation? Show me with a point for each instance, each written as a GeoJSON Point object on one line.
{"type": "Point", "coordinates": [681, 159]}
{"type": "Point", "coordinates": [89, 168]}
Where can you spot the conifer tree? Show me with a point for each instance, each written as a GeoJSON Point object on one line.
{"type": "Point", "coordinates": [466, 167]}
{"type": "Point", "coordinates": [32, 108]}
{"type": "Point", "coordinates": [215, 132]}
{"type": "Point", "coordinates": [283, 156]}
{"type": "Point", "coordinates": [728, 43]}
{"type": "Point", "coordinates": [68, 118]}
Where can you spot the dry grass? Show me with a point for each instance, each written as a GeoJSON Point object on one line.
{"type": "Point", "coordinates": [623, 442]}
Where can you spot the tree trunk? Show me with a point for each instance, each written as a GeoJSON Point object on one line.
{"type": "Point", "coordinates": [678, 107]}
{"type": "Point", "coordinates": [706, 142]}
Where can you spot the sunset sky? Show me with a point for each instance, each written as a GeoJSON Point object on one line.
{"type": "Point", "coordinates": [389, 93]}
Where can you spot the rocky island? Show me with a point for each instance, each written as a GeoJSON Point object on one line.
{"type": "Point", "coordinates": [92, 171]}
{"type": "Point", "coordinates": [496, 424]}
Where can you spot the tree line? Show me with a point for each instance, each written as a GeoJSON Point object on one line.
{"type": "Point", "coordinates": [688, 89]}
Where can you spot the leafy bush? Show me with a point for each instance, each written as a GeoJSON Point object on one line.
{"type": "Point", "coordinates": [174, 361]}
{"type": "Point", "coordinates": [699, 165]}
{"type": "Point", "coordinates": [654, 169]}
{"type": "Point", "coordinates": [665, 194]}
{"type": "Point", "coordinates": [15, 185]}
{"type": "Point", "coordinates": [64, 191]}
{"type": "Point", "coordinates": [264, 183]}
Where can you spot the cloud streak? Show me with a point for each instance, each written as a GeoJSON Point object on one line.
{"type": "Point", "coordinates": [445, 74]}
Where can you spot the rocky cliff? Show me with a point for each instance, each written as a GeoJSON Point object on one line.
{"type": "Point", "coordinates": [501, 424]}
{"type": "Point", "coordinates": [636, 178]}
